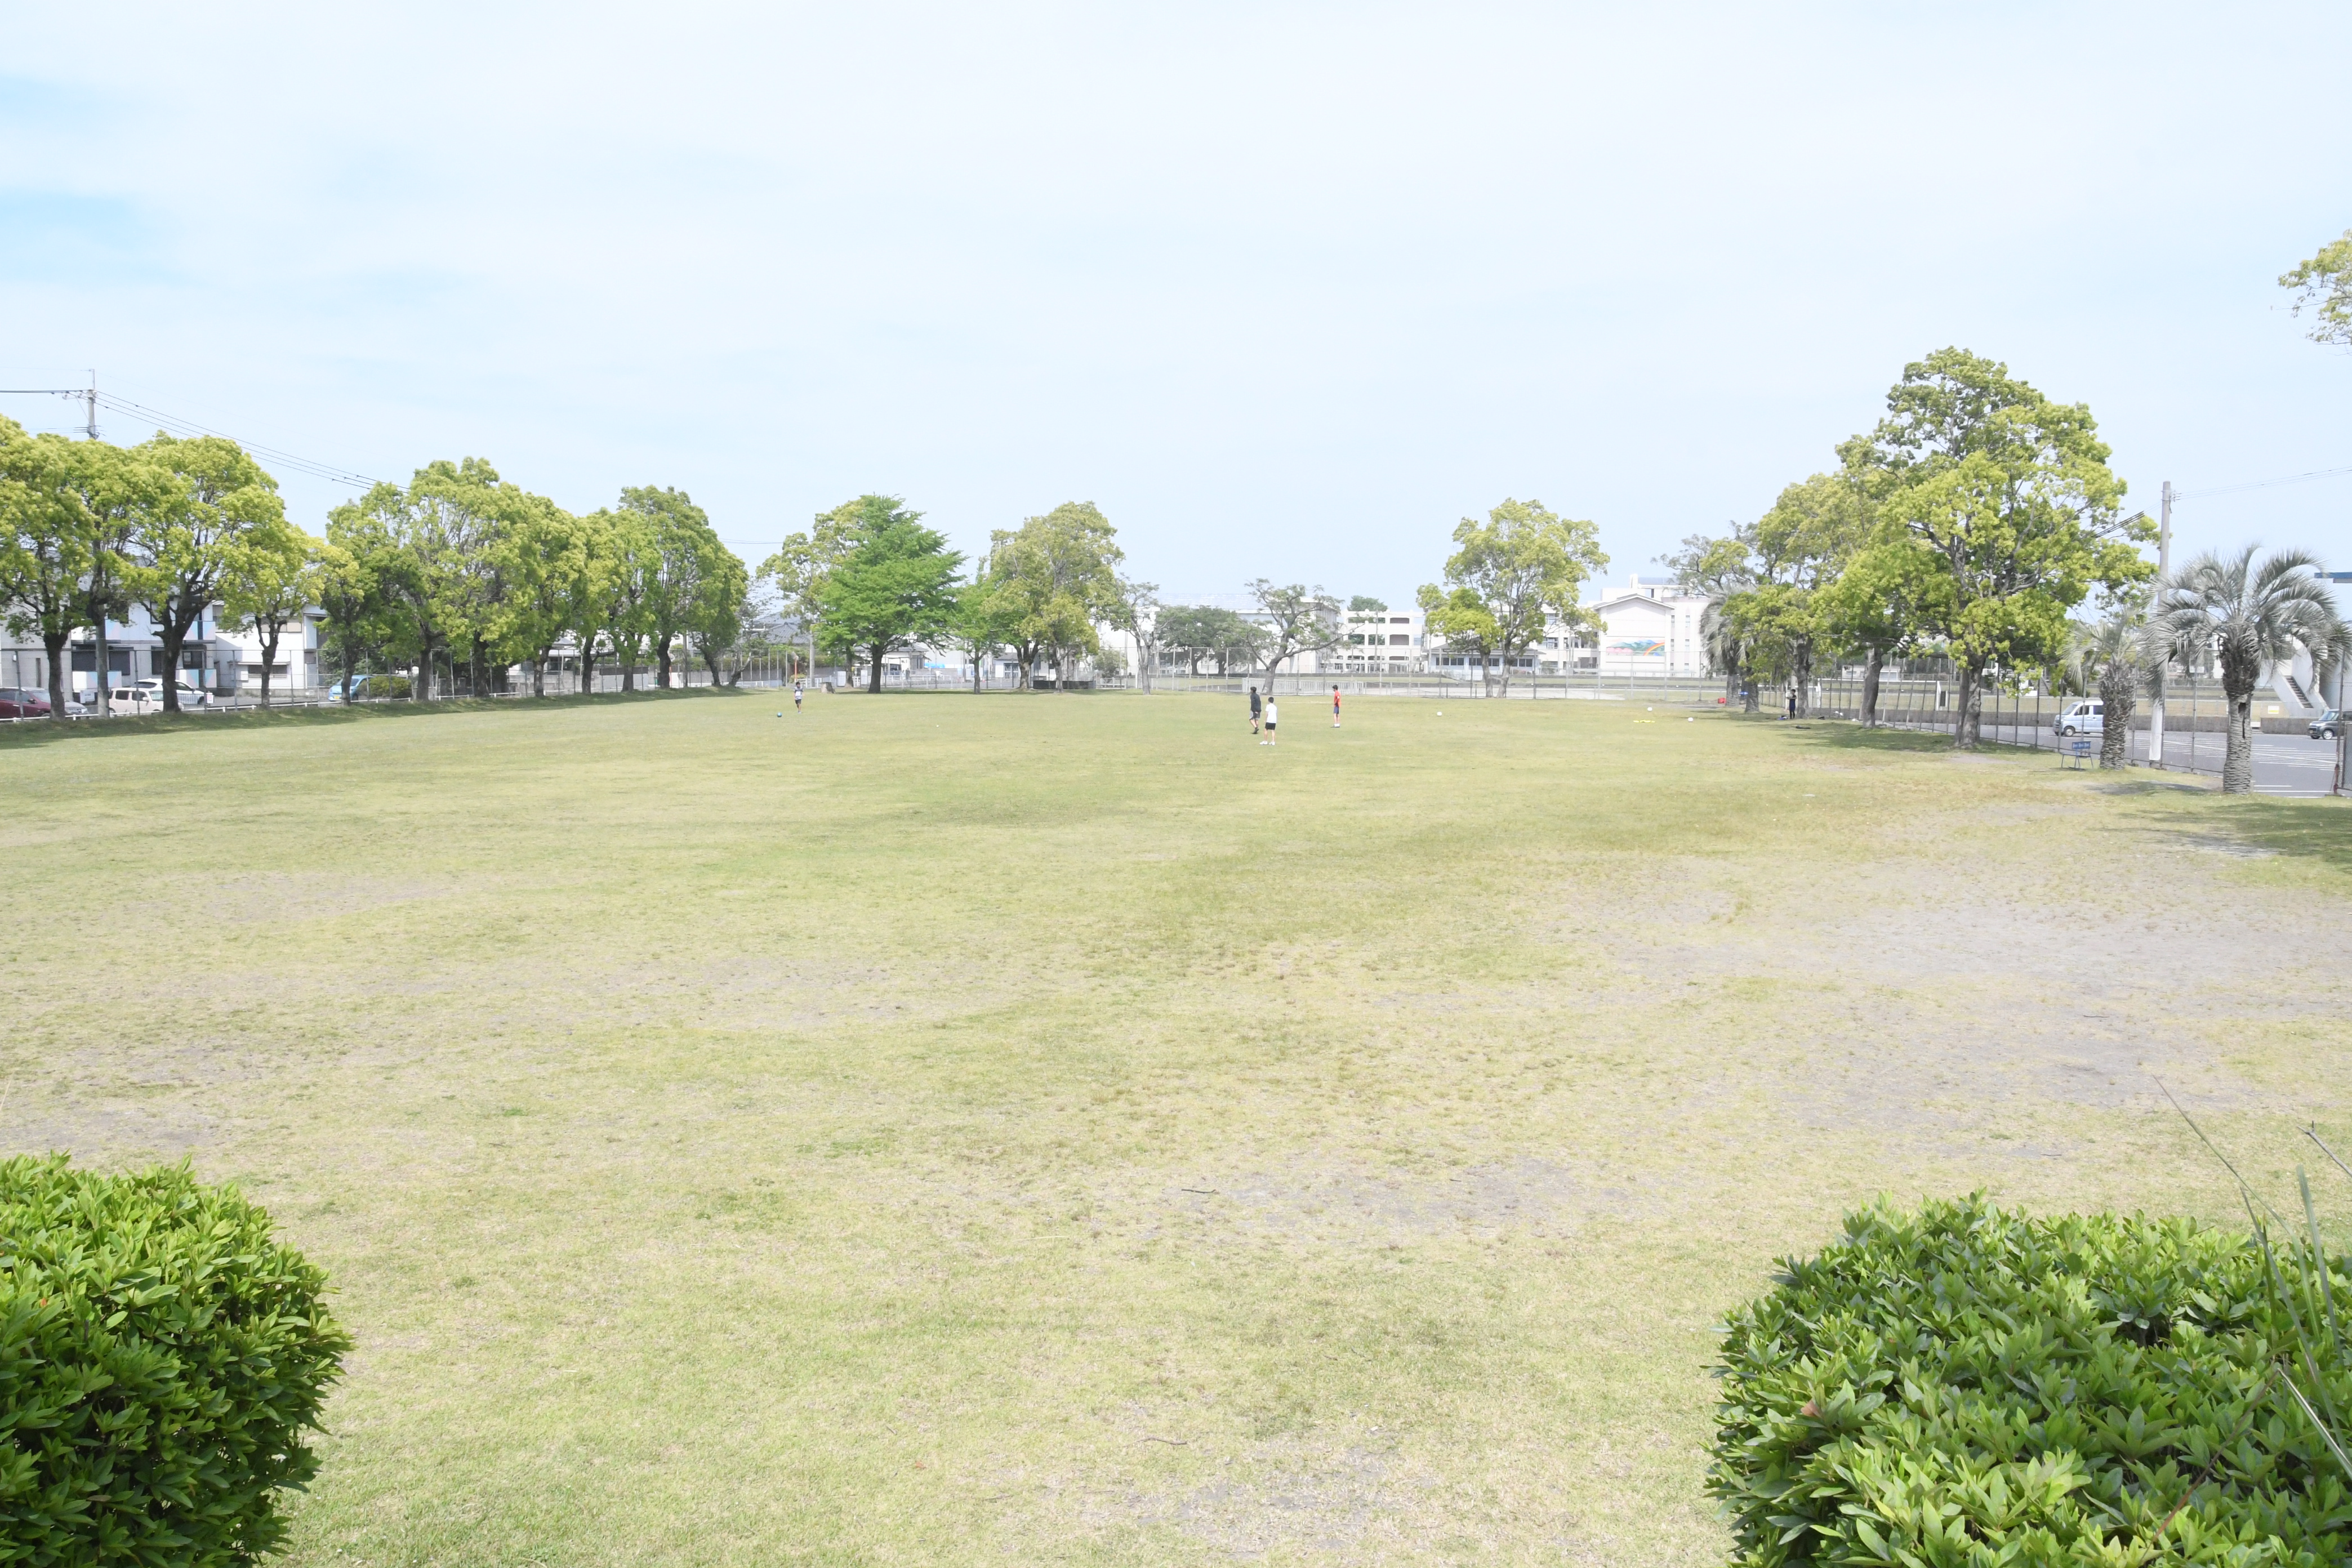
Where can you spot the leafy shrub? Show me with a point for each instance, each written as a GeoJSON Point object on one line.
{"type": "Point", "coordinates": [161, 1359]}
{"type": "Point", "coordinates": [1968, 1386]}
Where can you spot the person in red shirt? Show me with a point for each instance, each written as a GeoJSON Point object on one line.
{"type": "Point", "coordinates": [1335, 707]}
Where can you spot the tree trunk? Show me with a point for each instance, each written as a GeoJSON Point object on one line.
{"type": "Point", "coordinates": [1967, 727]}
{"type": "Point", "coordinates": [2117, 693]}
{"type": "Point", "coordinates": [268, 658]}
{"type": "Point", "coordinates": [1870, 669]}
{"type": "Point", "coordinates": [539, 669]}
{"type": "Point", "coordinates": [628, 666]}
{"type": "Point", "coordinates": [874, 672]}
{"type": "Point", "coordinates": [662, 650]}
{"type": "Point", "coordinates": [422, 689]}
{"type": "Point", "coordinates": [55, 642]}
{"type": "Point", "coordinates": [474, 669]}
{"type": "Point", "coordinates": [1751, 698]}
{"type": "Point", "coordinates": [174, 638]}
{"type": "Point", "coordinates": [2238, 758]}
{"type": "Point", "coordinates": [105, 695]}
{"type": "Point", "coordinates": [1805, 676]}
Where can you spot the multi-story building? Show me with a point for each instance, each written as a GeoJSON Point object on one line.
{"type": "Point", "coordinates": [1653, 627]}
{"type": "Point", "coordinates": [218, 658]}
{"type": "Point", "coordinates": [1374, 642]}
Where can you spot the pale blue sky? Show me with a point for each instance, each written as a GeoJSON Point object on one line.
{"type": "Point", "coordinates": [1285, 289]}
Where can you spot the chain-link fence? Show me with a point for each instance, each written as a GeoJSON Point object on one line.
{"type": "Point", "coordinates": [2288, 760]}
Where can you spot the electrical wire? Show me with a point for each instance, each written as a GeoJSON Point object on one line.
{"type": "Point", "coordinates": [2258, 484]}
{"type": "Point", "coordinates": [178, 426]}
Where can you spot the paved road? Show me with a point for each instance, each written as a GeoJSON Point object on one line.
{"type": "Point", "coordinates": [2283, 764]}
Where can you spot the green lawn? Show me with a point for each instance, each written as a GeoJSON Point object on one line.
{"type": "Point", "coordinates": [1056, 1129]}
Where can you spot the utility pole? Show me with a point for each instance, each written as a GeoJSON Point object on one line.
{"type": "Point", "coordinates": [2156, 697]}
{"type": "Point", "coordinates": [90, 399]}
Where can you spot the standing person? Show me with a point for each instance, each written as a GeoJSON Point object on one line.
{"type": "Point", "coordinates": [1335, 705]}
{"type": "Point", "coordinates": [1792, 702]}
{"type": "Point", "coordinates": [1269, 721]}
{"type": "Point", "coordinates": [1253, 710]}
{"type": "Point", "coordinates": [796, 696]}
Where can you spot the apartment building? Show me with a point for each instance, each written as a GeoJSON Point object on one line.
{"type": "Point", "coordinates": [218, 658]}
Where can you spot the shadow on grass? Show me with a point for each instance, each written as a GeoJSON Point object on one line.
{"type": "Point", "coordinates": [1836, 734]}
{"type": "Point", "coordinates": [49, 732]}
{"type": "Point", "coordinates": [2317, 830]}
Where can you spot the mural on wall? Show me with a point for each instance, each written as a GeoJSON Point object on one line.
{"type": "Point", "coordinates": [1640, 647]}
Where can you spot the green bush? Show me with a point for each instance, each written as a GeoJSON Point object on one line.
{"type": "Point", "coordinates": [1968, 1386]}
{"type": "Point", "coordinates": [160, 1360]}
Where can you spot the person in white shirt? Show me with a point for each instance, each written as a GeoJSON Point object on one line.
{"type": "Point", "coordinates": [1269, 719]}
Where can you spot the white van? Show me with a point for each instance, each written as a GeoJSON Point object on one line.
{"type": "Point", "coordinates": [2080, 719]}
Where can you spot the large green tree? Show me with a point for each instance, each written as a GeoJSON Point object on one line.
{"type": "Point", "coordinates": [268, 581]}
{"type": "Point", "coordinates": [44, 544]}
{"type": "Point", "coordinates": [1998, 515]}
{"type": "Point", "coordinates": [894, 585]}
{"type": "Point", "coordinates": [117, 494]}
{"type": "Point", "coordinates": [1058, 576]}
{"type": "Point", "coordinates": [1206, 631]}
{"type": "Point", "coordinates": [348, 597]}
{"type": "Point", "coordinates": [214, 507]}
{"type": "Point", "coordinates": [802, 564]}
{"type": "Point", "coordinates": [688, 572]}
{"type": "Point", "coordinates": [1519, 568]}
{"type": "Point", "coordinates": [542, 572]}
{"type": "Point", "coordinates": [1767, 579]}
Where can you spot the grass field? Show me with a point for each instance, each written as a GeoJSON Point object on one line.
{"type": "Point", "coordinates": [1058, 1130]}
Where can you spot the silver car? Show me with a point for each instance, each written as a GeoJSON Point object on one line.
{"type": "Point", "coordinates": [2080, 719]}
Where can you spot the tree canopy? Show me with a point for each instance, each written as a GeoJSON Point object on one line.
{"type": "Point", "coordinates": [1055, 578]}
{"type": "Point", "coordinates": [891, 581]}
{"type": "Point", "coordinates": [1508, 576]}
{"type": "Point", "coordinates": [2323, 285]}
{"type": "Point", "coordinates": [1996, 514]}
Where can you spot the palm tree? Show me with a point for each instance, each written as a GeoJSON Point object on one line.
{"type": "Point", "coordinates": [2116, 654]}
{"type": "Point", "coordinates": [2251, 616]}
{"type": "Point", "coordinates": [1727, 650]}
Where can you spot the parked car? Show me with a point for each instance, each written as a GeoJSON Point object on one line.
{"type": "Point", "coordinates": [190, 696]}
{"type": "Point", "coordinates": [2080, 719]}
{"type": "Point", "coordinates": [2328, 726]}
{"type": "Point", "coordinates": [23, 702]}
{"type": "Point", "coordinates": [135, 701]}
{"type": "Point", "coordinates": [364, 687]}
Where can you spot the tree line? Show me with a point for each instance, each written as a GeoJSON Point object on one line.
{"type": "Point", "coordinates": [459, 568]}
{"type": "Point", "coordinates": [88, 529]}
{"type": "Point", "coordinates": [1972, 522]}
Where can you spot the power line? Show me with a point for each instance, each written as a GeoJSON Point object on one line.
{"type": "Point", "coordinates": [2259, 484]}
{"type": "Point", "coordinates": [179, 427]}
{"type": "Point", "coordinates": [282, 459]}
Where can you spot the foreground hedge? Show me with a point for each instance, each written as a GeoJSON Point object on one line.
{"type": "Point", "coordinates": [1970, 1386]}
{"type": "Point", "coordinates": [160, 1360]}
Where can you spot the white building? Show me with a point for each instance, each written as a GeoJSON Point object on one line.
{"type": "Point", "coordinates": [219, 659]}
{"type": "Point", "coordinates": [1653, 627]}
